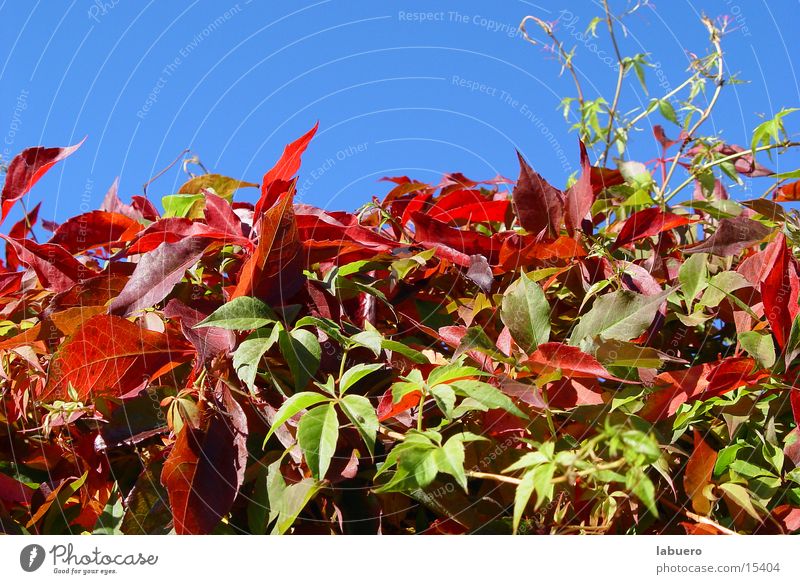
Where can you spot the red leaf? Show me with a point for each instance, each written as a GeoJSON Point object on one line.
{"type": "Point", "coordinates": [477, 212]}
{"type": "Point", "coordinates": [220, 216]}
{"type": "Point", "coordinates": [112, 356]}
{"type": "Point", "coordinates": [731, 237]}
{"type": "Point", "coordinates": [174, 229]}
{"type": "Point", "coordinates": [604, 178]}
{"type": "Point", "coordinates": [569, 393]}
{"type": "Point", "coordinates": [156, 275]}
{"type": "Point", "coordinates": [571, 361]}
{"type": "Point", "coordinates": [453, 244]}
{"type": "Point", "coordinates": [113, 204]}
{"type": "Point", "coordinates": [697, 476]}
{"type": "Point", "coordinates": [20, 230]}
{"type": "Point", "coordinates": [698, 382]}
{"type": "Point", "coordinates": [205, 468]}
{"type": "Point", "coordinates": [647, 223]}
{"type": "Point", "coordinates": [779, 290]}
{"type": "Point", "coordinates": [208, 341]}
{"type": "Point", "coordinates": [788, 192]}
{"type": "Point", "coordinates": [94, 229]}
{"type": "Point", "coordinates": [661, 137]}
{"type": "Point", "coordinates": [387, 409]}
{"type": "Point", "coordinates": [9, 282]}
{"type": "Point", "coordinates": [26, 169]}
{"type": "Point", "coordinates": [145, 207]}
{"type": "Point", "coordinates": [284, 170]}
{"type": "Point", "coordinates": [55, 267]}
{"type": "Point", "coordinates": [273, 272]}
{"type": "Point", "coordinates": [538, 204]}
{"type": "Point", "coordinates": [579, 197]}
{"type": "Point", "coordinates": [14, 492]}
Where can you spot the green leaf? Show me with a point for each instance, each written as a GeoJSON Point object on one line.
{"type": "Point", "coordinates": [488, 395]}
{"type": "Point", "coordinates": [640, 485]}
{"type": "Point", "coordinates": [293, 500]}
{"type": "Point", "coordinates": [450, 460]}
{"type": "Point", "coordinates": [760, 347]}
{"type": "Point", "coordinates": [453, 371]}
{"type": "Point", "coordinates": [356, 374]}
{"type": "Point", "coordinates": [666, 109]}
{"type": "Point", "coordinates": [405, 351]}
{"type": "Point", "coordinates": [302, 352]}
{"type": "Point", "coordinates": [248, 355]}
{"type": "Point", "coordinates": [294, 405]}
{"type": "Point", "coordinates": [538, 480]}
{"type": "Point", "coordinates": [719, 286]}
{"type": "Point", "coordinates": [476, 339]}
{"type": "Point", "coordinates": [188, 206]}
{"type": "Point", "coordinates": [445, 399]}
{"type": "Point", "coordinates": [521, 498]}
{"type": "Point", "coordinates": [359, 410]}
{"type": "Point", "coordinates": [693, 277]}
{"type": "Point", "coordinates": [740, 498]}
{"type": "Point", "coordinates": [526, 313]}
{"type": "Point", "coordinates": [621, 315]}
{"type": "Point", "coordinates": [369, 339]}
{"type": "Point", "coordinates": [317, 434]}
{"type": "Point", "coordinates": [240, 314]}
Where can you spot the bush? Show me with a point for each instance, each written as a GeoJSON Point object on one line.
{"type": "Point", "coordinates": [455, 358]}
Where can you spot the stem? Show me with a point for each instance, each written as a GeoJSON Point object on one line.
{"type": "Point", "coordinates": [391, 433]}
{"type": "Point", "coordinates": [556, 480]}
{"type": "Point", "coordinates": [170, 165]}
{"type": "Point", "coordinates": [719, 82]}
{"type": "Point", "coordinates": [566, 59]}
{"type": "Point", "coordinates": [618, 90]}
{"type": "Point", "coordinates": [728, 158]}
{"type": "Point", "coordinates": [342, 364]}
{"type": "Point", "coordinates": [666, 96]}
{"type": "Point", "coordinates": [699, 518]}
{"type": "Point", "coordinates": [547, 413]}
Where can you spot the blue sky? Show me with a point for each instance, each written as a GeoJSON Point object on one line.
{"type": "Point", "coordinates": [409, 87]}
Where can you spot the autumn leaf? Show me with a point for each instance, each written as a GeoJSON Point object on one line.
{"type": "Point", "coordinates": [731, 237]}
{"type": "Point", "coordinates": [579, 197]}
{"type": "Point", "coordinates": [56, 268]}
{"type": "Point", "coordinates": [206, 465]}
{"type": "Point", "coordinates": [452, 244]}
{"type": "Point", "coordinates": [223, 186]}
{"type": "Point", "coordinates": [273, 272]}
{"type": "Point", "coordinates": [569, 361]}
{"type": "Point", "coordinates": [282, 172]}
{"type": "Point", "coordinates": [697, 475]}
{"type": "Point", "coordinates": [26, 169]}
{"type": "Point", "coordinates": [780, 289]}
{"type": "Point", "coordinates": [110, 355]}
{"type": "Point", "coordinates": [538, 204]}
{"type": "Point", "coordinates": [647, 223]}
{"type": "Point", "coordinates": [94, 229]}
{"type": "Point", "coordinates": [156, 274]}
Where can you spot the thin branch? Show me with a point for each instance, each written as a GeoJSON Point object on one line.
{"type": "Point", "coordinates": [566, 58]}
{"type": "Point", "coordinates": [728, 158]}
{"type": "Point", "coordinates": [618, 90]}
{"type": "Point", "coordinates": [719, 82]}
{"type": "Point", "coordinates": [157, 176]}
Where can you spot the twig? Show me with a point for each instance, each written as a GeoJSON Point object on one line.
{"type": "Point", "coordinates": [157, 176]}
{"type": "Point", "coordinates": [567, 59]}
{"type": "Point", "coordinates": [728, 158]}
{"type": "Point", "coordinates": [618, 90]}
{"type": "Point", "coordinates": [719, 82]}
{"type": "Point", "coordinates": [698, 518]}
